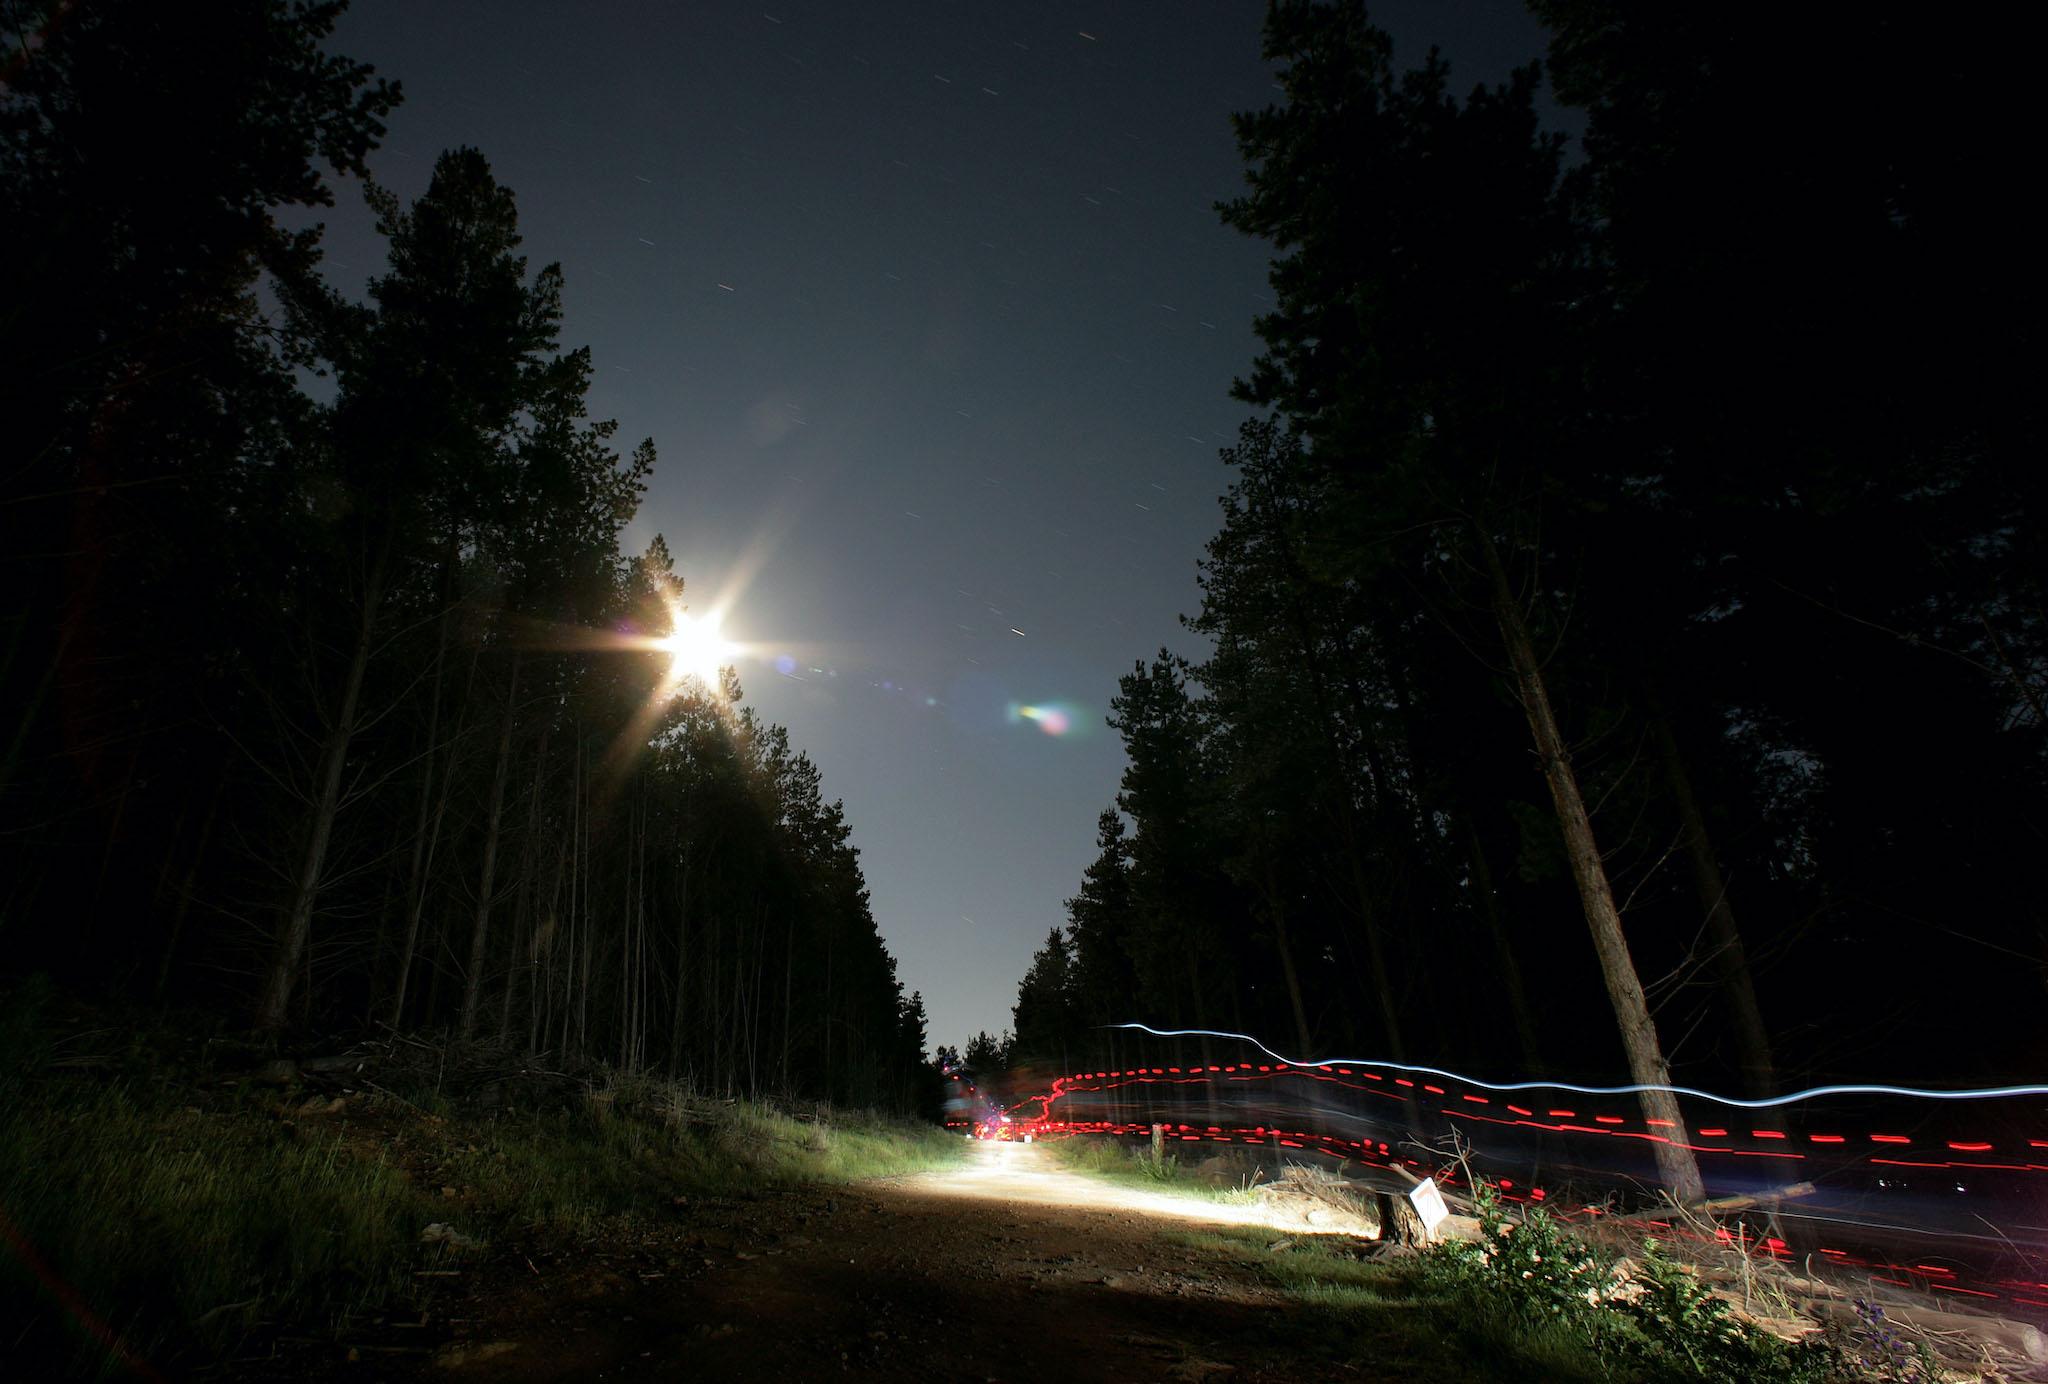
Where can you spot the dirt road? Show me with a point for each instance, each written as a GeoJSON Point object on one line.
{"type": "Point", "coordinates": [1008, 1269]}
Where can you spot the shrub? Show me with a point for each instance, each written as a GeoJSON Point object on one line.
{"type": "Point", "coordinates": [1535, 1273]}
{"type": "Point", "coordinates": [1691, 1333]}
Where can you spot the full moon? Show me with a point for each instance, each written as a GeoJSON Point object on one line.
{"type": "Point", "coordinates": [696, 649]}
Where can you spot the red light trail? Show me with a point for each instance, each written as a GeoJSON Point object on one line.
{"type": "Point", "coordinates": [1346, 1114]}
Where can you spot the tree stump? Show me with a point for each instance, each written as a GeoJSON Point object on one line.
{"type": "Point", "coordinates": [1399, 1225]}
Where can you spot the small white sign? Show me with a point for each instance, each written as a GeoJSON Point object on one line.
{"type": "Point", "coordinates": [1429, 1205]}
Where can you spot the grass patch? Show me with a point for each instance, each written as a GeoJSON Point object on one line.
{"type": "Point", "coordinates": [1395, 1318]}
{"type": "Point", "coordinates": [1135, 1167]}
{"type": "Point", "coordinates": [160, 1210]}
{"type": "Point", "coordinates": [575, 1172]}
{"type": "Point", "coordinates": [174, 1228]}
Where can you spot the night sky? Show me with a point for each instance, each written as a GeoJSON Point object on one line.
{"type": "Point", "coordinates": [928, 311]}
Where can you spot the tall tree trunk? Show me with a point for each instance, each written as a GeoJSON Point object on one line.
{"type": "Point", "coordinates": [427, 832]}
{"type": "Point", "coordinates": [1752, 1039]}
{"type": "Point", "coordinates": [1675, 1161]}
{"type": "Point", "coordinates": [569, 907]}
{"type": "Point", "coordinates": [527, 918]}
{"type": "Point", "coordinates": [290, 952]}
{"type": "Point", "coordinates": [830, 1014]}
{"type": "Point", "coordinates": [515, 965]}
{"type": "Point", "coordinates": [487, 882]}
{"type": "Point", "coordinates": [639, 920]}
{"type": "Point", "coordinates": [587, 926]}
{"type": "Point", "coordinates": [788, 979]}
{"type": "Point", "coordinates": [191, 880]}
{"type": "Point", "coordinates": [714, 990]}
{"type": "Point", "coordinates": [685, 850]}
{"type": "Point", "coordinates": [626, 954]}
{"type": "Point", "coordinates": [1375, 943]}
{"type": "Point", "coordinates": [1278, 909]}
{"type": "Point", "coordinates": [736, 1017]}
{"type": "Point", "coordinates": [575, 948]}
{"type": "Point", "coordinates": [1504, 956]}
{"type": "Point", "coordinates": [541, 992]}
{"type": "Point", "coordinates": [1340, 746]}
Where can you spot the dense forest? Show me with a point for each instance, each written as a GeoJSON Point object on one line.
{"type": "Point", "coordinates": [1638, 540]}
{"type": "Point", "coordinates": [330, 700]}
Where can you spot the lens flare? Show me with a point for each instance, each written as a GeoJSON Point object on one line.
{"type": "Point", "coordinates": [1052, 718]}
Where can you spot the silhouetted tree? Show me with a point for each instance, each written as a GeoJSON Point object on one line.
{"type": "Point", "coordinates": [1046, 1013]}
{"type": "Point", "coordinates": [348, 696]}
{"type": "Point", "coordinates": [144, 151]}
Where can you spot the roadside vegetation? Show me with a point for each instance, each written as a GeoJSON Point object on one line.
{"type": "Point", "coordinates": [1524, 1298]}
{"type": "Point", "coordinates": [1451, 1315]}
{"type": "Point", "coordinates": [1529, 1277]}
{"type": "Point", "coordinates": [166, 1198]}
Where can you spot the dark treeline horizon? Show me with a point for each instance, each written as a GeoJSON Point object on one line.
{"type": "Point", "coordinates": [328, 697]}
{"type": "Point", "coordinates": [1638, 544]}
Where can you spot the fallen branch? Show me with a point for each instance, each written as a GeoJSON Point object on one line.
{"type": "Point", "coordinates": [1754, 1199]}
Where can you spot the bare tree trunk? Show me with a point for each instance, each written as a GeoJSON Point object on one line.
{"type": "Point", "coordinates": [1504, 957]}
{"type": "Point", "coordinates": [734, 1017]}
{"type": "Point", "coordinates": [569, 908]}
{"type": "Point", "coordinates": [1326, 716]}
{"type": "Point", "coordinates": [113, 836]}
{"type": "Point", "coordinates": [582, 995]}
{"type": "Point", "coordinates": [575, 945]}
{"type": "Point", "coordinates": [541, 992]}
{"type": "Point", "coordinates": [830, 1015]}
{"type": "Point", "coordinates": [638, 917]}
{"type": "Point", "coordinates": [427, 834]}
{"type": "Point", "coordinates": [518, 967]}
{"type": "Point", "coordinates": [1375, 947]}
{"type": "Point", "coordinates": [626, 954]}
{"type": "Point", "coordinates": [473, 983]}
{"type": "Point", "coordinates": [1680, 1170]}
{"type": "Point", "coordinates": [1278, 910]}
{"type": "Point", "coordinates": [1752, 1039]}
{"type": "Point", "coordinates": [753, 1003]}
{"type": "Point", "coordinates": [525, 920]}
{"type": "Point", "coordinates": [290, 952]}
{"type": "Point", "coordinates": [644, 991]}
{"type": "Point", "coordinates": [788, 980]}
{"type": "Point", "coordinates": [685, 850]}
{"type": "Point", "coordinates": [191, 880]}
{"type": "Point", "coordinates": [515, 965]}
{"type": "Point", "coordinates": [714, 989]}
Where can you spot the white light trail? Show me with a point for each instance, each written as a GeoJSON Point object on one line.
{"type": "Point", "coordinates": [1811, 1093]}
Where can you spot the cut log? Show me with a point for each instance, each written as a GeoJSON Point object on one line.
{"type": "Point", "coordinates": [2018, 1337]}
